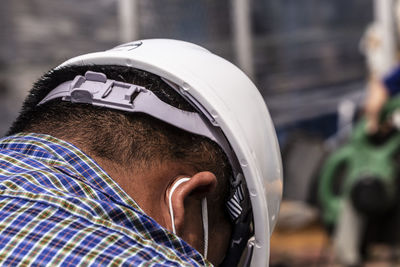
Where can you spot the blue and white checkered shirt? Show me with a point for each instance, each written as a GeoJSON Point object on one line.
{"type": "Point", "coordinates": [59, 208]}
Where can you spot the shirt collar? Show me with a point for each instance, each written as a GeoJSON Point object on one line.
{"type": "Point", "coordinates": [66, 155]}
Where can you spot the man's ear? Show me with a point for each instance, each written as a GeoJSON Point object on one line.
{"type": "Point", "coordinates": [186, 199]}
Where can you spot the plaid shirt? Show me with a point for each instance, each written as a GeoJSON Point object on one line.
{"type": "Point", "coordinates": [58, 207]}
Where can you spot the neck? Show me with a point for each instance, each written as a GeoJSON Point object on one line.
{"type": "Point", "coordinates": [145, 184]}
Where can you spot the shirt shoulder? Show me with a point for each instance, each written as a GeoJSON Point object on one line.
{"type": "Point", "coordinates": [58, 208]}
{"type": "Point", "coordinates": [37, 233]}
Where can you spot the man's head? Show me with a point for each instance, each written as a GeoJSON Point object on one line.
{"type": "Point", "coordinates": [219, 134]}
{"type": "Point", "coordinates": [145, 156]}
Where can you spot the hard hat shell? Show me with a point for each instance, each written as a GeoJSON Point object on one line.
{"type": "Point", "coordinates": [235, 104]}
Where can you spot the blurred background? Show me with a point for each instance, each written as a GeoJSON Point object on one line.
{"type": "Point", "coordinates": [307, 57]}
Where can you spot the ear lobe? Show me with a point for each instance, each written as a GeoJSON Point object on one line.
{"type": "Point", "coordinates": [186, 199]}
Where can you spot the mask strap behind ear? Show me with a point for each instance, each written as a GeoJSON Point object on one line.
{"type": "Point", "coordinates": [204, 214]}
{"type": "Point", "coordinates": [171, 210]}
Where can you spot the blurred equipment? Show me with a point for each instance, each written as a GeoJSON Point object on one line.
{"type": "Point", "coordinates": [358, 187]}
{"type": "Point", "coordinates": [298, 183]}
{"type": "Point", "coordinates": [295, 215]}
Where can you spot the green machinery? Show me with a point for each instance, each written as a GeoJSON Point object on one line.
{"type": "Point", "coordinates": [365, 169]}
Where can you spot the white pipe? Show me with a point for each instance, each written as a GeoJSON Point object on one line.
{"type": "Point", "coordinates": [384, 16]}
{"type": "Point", "coordinates": [242, 35]}
{"type": "Point", "coordinates": [127, 15]}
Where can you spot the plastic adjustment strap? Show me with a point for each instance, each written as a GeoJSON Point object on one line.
{"type": "Point", "coordinates": [94, 88]}
{"type": "Point", "coordinates": [97, 90]}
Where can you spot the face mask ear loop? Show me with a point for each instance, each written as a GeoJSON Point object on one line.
{"type": "Point", "coordinates": [204, 214]}
{"type": "Point", "coordinates": [171, 210]}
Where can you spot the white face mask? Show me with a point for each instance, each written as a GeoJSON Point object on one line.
{"type": "Point", "coordinates": [204, 214]}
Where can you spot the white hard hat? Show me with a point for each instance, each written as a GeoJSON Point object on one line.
{"type": "Point", "coordinates": [231, 102]}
